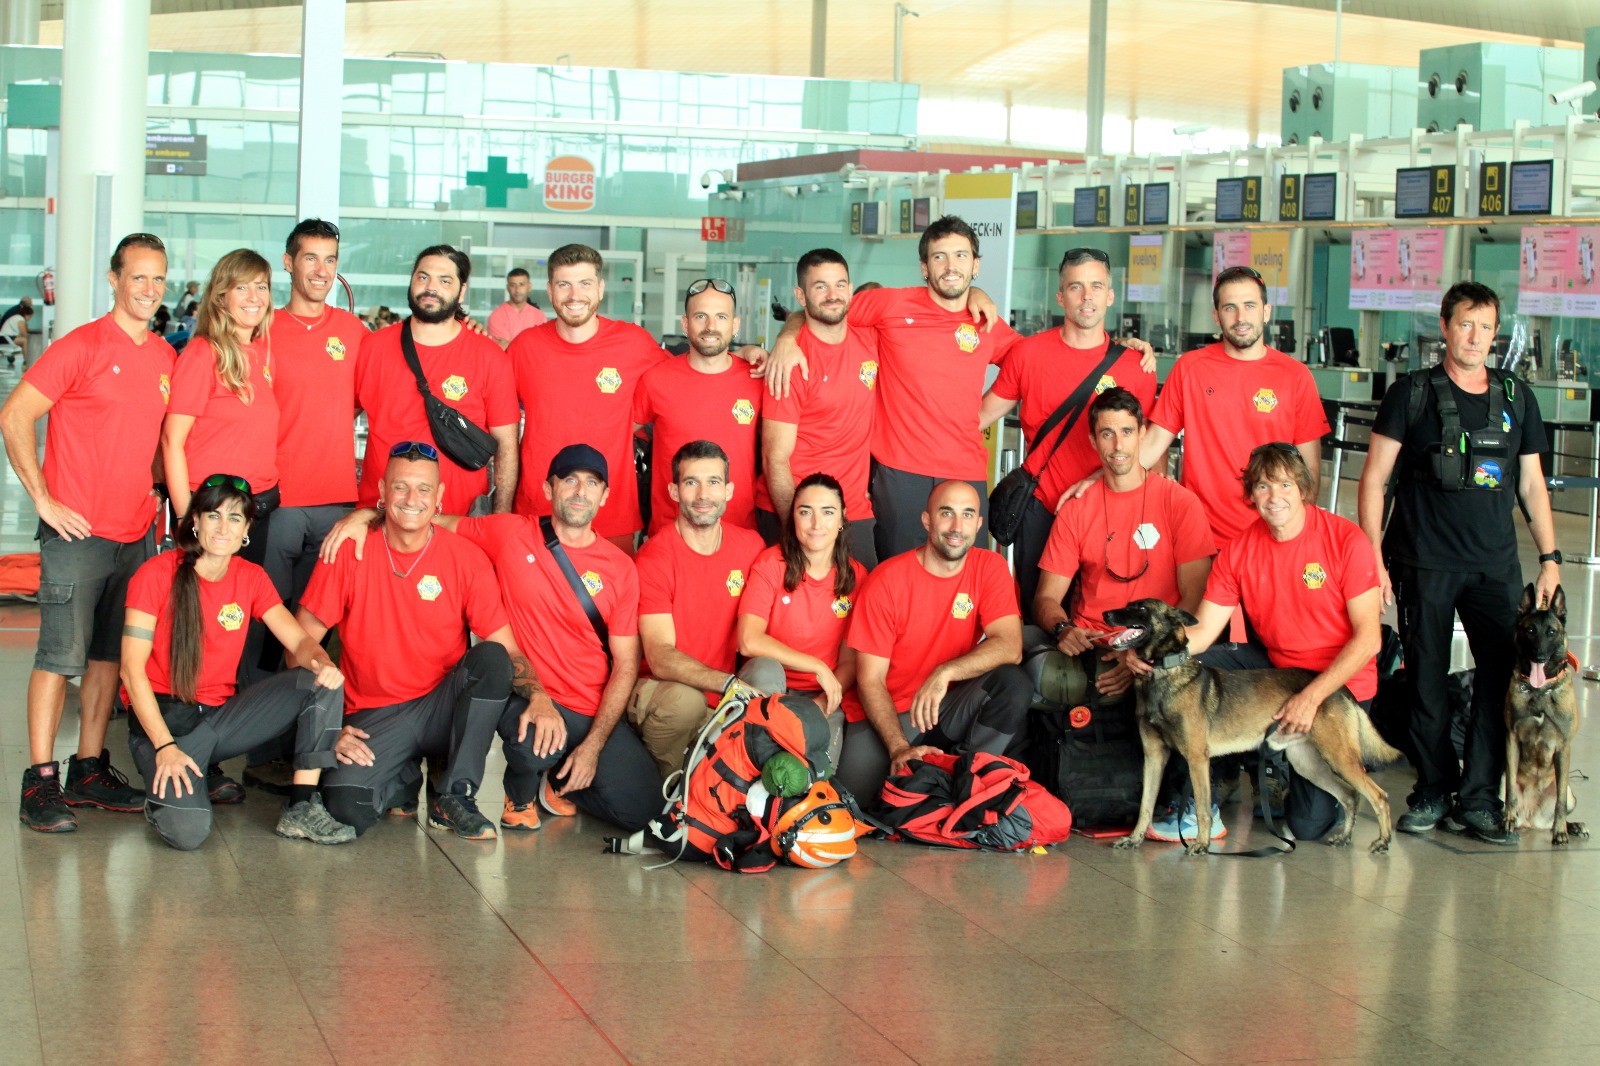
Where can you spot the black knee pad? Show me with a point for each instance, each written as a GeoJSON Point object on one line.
{"type": "Point", "coordinates": [488, 671]}
{"type": "Point", "coordinates": [351, 804]}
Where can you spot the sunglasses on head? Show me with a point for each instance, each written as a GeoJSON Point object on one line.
{"type": "Point", "coordinates": [1281, 447]}
{"type": "Point", "coordinates": [1076, 256]}
{"type": "Point", "coordinates": [218, 480]}
{"type": "Point", "coordinates": [715, 284]}
{"type": "Point", "coordinates": [414, 449]}
{"type": "Point", "coordinates": [1235, 273]}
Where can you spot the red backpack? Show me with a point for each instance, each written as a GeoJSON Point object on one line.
{"type": "Point", "coordinates": [976, 800]}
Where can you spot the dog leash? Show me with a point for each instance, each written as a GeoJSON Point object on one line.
{"type": "Point", "coordinates": [1266, 810]}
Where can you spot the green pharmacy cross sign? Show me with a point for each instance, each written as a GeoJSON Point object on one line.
{"type": "Point", "coordinates": [496, 181]}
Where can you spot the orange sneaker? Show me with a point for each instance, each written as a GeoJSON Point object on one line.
{"type": "Point", "coordinates": [553, 802]}
{"type": "Point", "coordinates": [524, 818]}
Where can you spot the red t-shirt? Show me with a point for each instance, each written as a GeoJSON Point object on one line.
{"type": "Point", "coordinates": [686, 405]}
{"type": "Point", "coordinates": [1296, 592]}
{"type": "Point", "coordinates": [226, 607]}
{"type": "Point", "coordinates": [700, 592]}
{"type": "Point", "coordinates": [229, 435]}
{"type": "Point", "coordinates": [832, 415]}
{"type": "Point", "coordinates": [402, 635]}
{"type": "Point", "coordinates": [468, 373]}
{"type": "Point", "coordinates": [1160, 524]}
{"type": "Point", "coordinates": [1225, 407]}
{"type": "Point", "coordinates": [811, 619]}
{"type": "Point", "coordinates": [316, 388]}
{"type": "Point", "coordinates": [930, 384]}
{"type": "Point", "coordinates": [918, 621]}
{"type": "Point", "coordinates": [550, 626]}
{"type": "Point", "coordinates": [109, 396]}
{"type": "Point", "coordinates": [1042, 371]}
{"type": "Point", "coordinates": [582, 394]}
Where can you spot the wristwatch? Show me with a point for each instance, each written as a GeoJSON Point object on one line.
{"type": "Point", "coordinates": [1551, 557]}
{"type": "Point", "coordinates": [1060, 628]}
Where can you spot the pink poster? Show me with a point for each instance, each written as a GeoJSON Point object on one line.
{"type": "Point", "coordinates": [1231, 248]}
{"type": "Point", "coordinates": [1419, 255]}
{"type": "Point", "coordinates": [1547, 255]}
{"type": "Point", "coordinates": [1582, 298]}
{"type": "Point", "coordinates": [1374, 272]}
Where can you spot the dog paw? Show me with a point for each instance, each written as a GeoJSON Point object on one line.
{"type": "Point", "coordinates": [1337, 839]}
{"type": "Point", "coordinates": [1576, 829]}
{"type": "Point", "coordinates": [1128, 842]}
{"type": "Point", "coordinates": [1380, 846]}
{"type": "Point", "coordinates": [1197, 847]}
{"type": "Point", "coordinates": [1558, 837]}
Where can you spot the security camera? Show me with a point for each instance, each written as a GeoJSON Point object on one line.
{"type": "Point", "coordinates": [716, 177]}
{"type": "Point", "coordinates": [1574, 95]}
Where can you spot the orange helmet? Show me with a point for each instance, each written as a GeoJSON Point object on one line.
{"type": "Point", "coordinates": [816, 828]}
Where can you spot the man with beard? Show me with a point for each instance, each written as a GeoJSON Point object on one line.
{"type": "Point", "coordinates": [691, 576]}
{"type": "Point", "coordinates": [518, 312]}
{"type": "Point", "coordinates": [464, 369]}
{"type": "Point", "coordinates": [938, 637]}
{"type": "Point", "coordinates": [706, 395]}
{"type": "Point", "coordinates": [824, 424]}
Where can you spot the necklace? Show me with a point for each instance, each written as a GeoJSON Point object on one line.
{"type": "Point", "coordinates": [313, 324]}
{"type": "Point", "coordinates": [395, 569]}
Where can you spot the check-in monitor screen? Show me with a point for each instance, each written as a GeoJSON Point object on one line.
{"type": "Point", "coordinates": [1157, 200]}
{"type": "Point", "coordinates": [1413, 192]}
{"type": "Point", "coordinates": [1531, 184]}
{"type": "Point", "coordinates": [1319, 197]}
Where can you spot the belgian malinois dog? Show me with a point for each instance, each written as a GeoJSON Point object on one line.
{"type": "Point", "coordinates": [1202, 712]}
{"type": "Point", "coordinates": [1541, 720]}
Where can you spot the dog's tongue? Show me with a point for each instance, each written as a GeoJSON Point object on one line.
{"type": "Point", "coordinates": [1536, 675]}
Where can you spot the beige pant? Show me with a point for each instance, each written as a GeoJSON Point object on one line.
{"type": "Point", "coordinates": [669, 715]}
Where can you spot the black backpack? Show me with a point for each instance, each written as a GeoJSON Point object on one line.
{"type": "Point", "coordinates": [1092, 759]}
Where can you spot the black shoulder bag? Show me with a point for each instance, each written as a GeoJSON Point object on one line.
{"type": "Point", "coordinates": [468, 446]}
{"type": "Point", "coordinates": [1010, 497]}
{"type": "Point", "coordinates": [585, 600]}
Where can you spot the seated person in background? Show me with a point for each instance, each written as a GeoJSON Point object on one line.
{"type": "Point", "coordinates": [796, 605]}
{"type": "Point", "coordinates": [691, 576]}
{"type": "Point", "coordinates": [14, 334]}
{"type": "Point", "coordinates": [938, 636]}
{"type": "Point", "coordinates": [184, 633]}
{"type": "Point", "coordinates": [412, 687]}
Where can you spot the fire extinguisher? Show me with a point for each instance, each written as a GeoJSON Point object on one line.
{"type": "Point", "coordinates": [47, 286]}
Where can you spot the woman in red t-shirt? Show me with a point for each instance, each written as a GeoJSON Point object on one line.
{"type": "Point", "coordinates": [221, 413]}
{"type": "Point", "coordinates": [796, 604]}
{"type": "Point", "coordinates": [183, 634]}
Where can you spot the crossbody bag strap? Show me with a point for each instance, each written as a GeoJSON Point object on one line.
{"type": "Point", "coordinates": [585, 600]}
{"type": "Point", "coordinates": [409, 348]}
{"type": "Point", "coordinates": [1072, 407]}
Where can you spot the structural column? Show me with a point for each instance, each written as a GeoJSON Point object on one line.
{"type": "Point", "coordinates": [1096, 108]}
{"type": "Point", "coordinates": [321, 109]}
{"type": "Point", "coordinates": [19, 21]}
{"type": "Point", "coordinates": [105, 67]}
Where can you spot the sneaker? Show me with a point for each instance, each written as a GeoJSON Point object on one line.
{"type": "Point", "coordinates": [407, 808]}
{"type": "Point", "coordinates": [1423, 816]}
{"type": "Point", "coordinates": [1482, 825]}
{"type": "Point", "coordinates": [275, 777]}
{"type": "Point", "coordinates": [524, 816]}
{"type": "Point", "coordinates": [43, 808]}
{"type": "Point", "coordinates": [553, 801]}
{"type": "Point", "coordinates": [310, 820]}
{"type": "Point", "coordinates": [1167, 827]}
{"type": "Point", "coordinates": [460, 814]}
{"type": "Point", "coordinates": [221, 788]}
{"type": "Point", "coordinates": [96, 783]}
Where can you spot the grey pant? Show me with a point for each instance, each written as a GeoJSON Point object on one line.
{"type": "Point", "coordinates": [292, 541]}
{"type": "Point", "coordinates": [288, 699]}
{"type": "Point", "coordinates": [862, 534]}
{"type": "Point", "coordinates": [899, 500]}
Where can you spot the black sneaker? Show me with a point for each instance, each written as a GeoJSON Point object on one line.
{"type": "Point", "coordinates": [1482, 825]}
{"type": "Point", "coordinates": [460, 814]}
{"type": "Point", "coordinates": [1423, 816]}
{"type": "Point", "coordinates": [221, 788]}
{"type": "Point", "coordinates": [43, 809]}
{"type": "Point", "coordinates": [96, 783]}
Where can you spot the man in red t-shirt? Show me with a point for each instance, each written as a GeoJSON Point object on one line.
{"type": "Point", "coordinates": [565, 742]}
{"type": "Point", "coordinates": [1043, 372]}
{"type": "Point", "coordinates": [705, 395]}
{"type": "Point", "coordinates": [1134, 534]}
{"type": "Point", "coordinates": [464, 369]}
{"type": "Point", "coordinates": [690, 579]}
{"type": "Point", "coordinates": [938, 637]}
{"type": "Point", "coordinates": [518, 312]}
{"type": "Point", "coordinates": [105, 387]}
{"type": "Point", "coordinates": [824, 423]}
{"type": "Point", "coordinates": [404, 606]}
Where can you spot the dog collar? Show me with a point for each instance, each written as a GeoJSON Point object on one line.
{"type": "Point", "coordinates": [1571, 660]}
{"type": "Point", "coordinates": [1167, 662]}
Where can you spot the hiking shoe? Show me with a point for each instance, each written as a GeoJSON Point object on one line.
{"type": "Point", "coordinates": [96, 783]}
{"type": "Point", "coordinates": [407, 808]}
{"type": "Point", "coordinates": [553, 801]}
{"type": "Point", "coordinates": [310, 820]}
{"type": "Point", "coordinates": [1423, 816]}
{"type": "Point", "coordinates": [460, 815]}
{"type": "Point", "coordinates": [1167, 827]}
{"type": "Point", "coordinates": [43, 808]}
{"type": "Point", "coordinates": [274, 776]}
{"type": "Point", "coordinates": [523, 816]}
{"type": "Point", "coordinates": [221, 788]}
{"type": "Point", "coordinates": [1482, 825]}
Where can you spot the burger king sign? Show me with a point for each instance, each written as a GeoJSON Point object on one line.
{"type": "Point", "coordinates": [569, 184]}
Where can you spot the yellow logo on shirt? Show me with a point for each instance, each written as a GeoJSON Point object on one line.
{"type": "Point", "coordinates": [166, 389]}
{"type": "Point", "coordinates": [1314, 576]}
{"type": "Point", "coordinates": [592, 582]}
{"type": "Point", "coordinates": [841, 607]}
{"type": "Point", "coordinates": [744, 412]}
{"type": "Point", "coordinates": [869, 373]}
{"type": "Point", "coordinates": [1106, 382]}
{"type": "Point", "coordinates": [454, 387]}
{"type": "Point", "coordinates": [608, 379]}
{"type": "Point", "coordinates": [967, 337]}
{"type": "Point", "coordinates": [335, 349]}
{"type": "Point", "coordinates": [231, 617]}
{"type": "Point", "coordinates": [429, 588]}
{"type": "Point", "coordinates": [1265, 400]}
{"type": "Point", "coordinates": [962, 607]}
{"type": "Point", "coordinates": [266, 375]}
{"type": "Point", "coordinates": [735, 582]}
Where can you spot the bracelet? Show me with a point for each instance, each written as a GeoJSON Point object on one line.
{"type": "Point", "coordinates": [163, 747]}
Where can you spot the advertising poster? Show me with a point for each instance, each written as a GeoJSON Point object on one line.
{"type": "Point", "coordinates": [1374, 272]}
{"type": "Point", "coordinates": [989, 204]}
{"type": "Point", "coordinates": [1559, 274]}
{"type": "Point", "coordinates": [1231, 248]}
{"type": "Point", "coordinates": [1269, 254]}
{"type": "Point", "coordinates": [1419, 257]}
{"type": "Point", "coordinates": [1144, 268]}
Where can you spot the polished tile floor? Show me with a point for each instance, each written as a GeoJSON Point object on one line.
{"type": "Point", "coordinates": [412, 946]}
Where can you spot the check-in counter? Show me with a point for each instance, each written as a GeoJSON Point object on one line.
{"type": "Point", "coordinates": [1345, 383]}
{"type": "Point", "coordinates": [1567, 402]}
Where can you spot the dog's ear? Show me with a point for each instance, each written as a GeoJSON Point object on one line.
{"type": "Point", "coordinates": [1558, 604]}
{"type": "Point", "coordinates": [1529, 600]}
{"type": "Point", "coordinates": [1188, 619]}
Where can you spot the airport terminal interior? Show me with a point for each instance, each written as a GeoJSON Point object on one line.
{"type": "Point", "coordinates": [1360, 156]}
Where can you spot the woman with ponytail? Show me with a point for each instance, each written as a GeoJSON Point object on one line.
{"type": "Point", "coordinates": [183, 634]}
